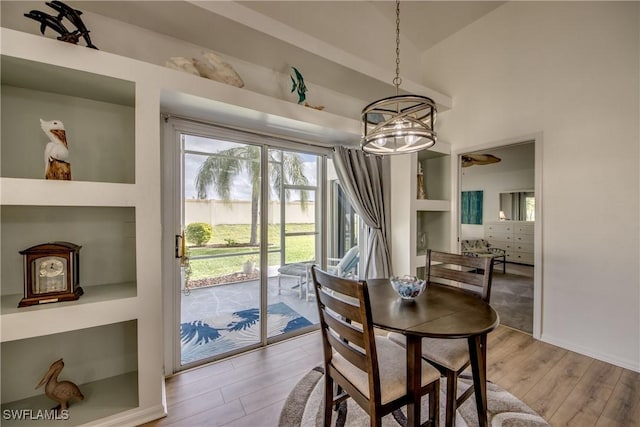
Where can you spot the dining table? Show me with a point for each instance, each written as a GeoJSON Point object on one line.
{"type": "Point", "coordinates": [441, 311]}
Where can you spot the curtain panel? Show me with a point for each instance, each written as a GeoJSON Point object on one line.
{"type": "Point", "coordinates": [366, 181]}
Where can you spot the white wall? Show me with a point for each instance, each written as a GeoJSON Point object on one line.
{"type": "Point", "coordinates": [569, 70]}
{"type": "Point", "coordinates": [515, 171]}
{"type": "Point", "coordinates": [217, 212]}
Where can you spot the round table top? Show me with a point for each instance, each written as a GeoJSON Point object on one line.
{"type": "Point", "coordinates": [440, 312]}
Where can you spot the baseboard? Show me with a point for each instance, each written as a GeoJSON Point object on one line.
{"type": "Point", "coordinates": [623, 363]}
{"type": "Point", "coordinates": [133, 417]}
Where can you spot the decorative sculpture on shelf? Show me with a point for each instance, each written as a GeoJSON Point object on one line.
{"type": "Point", "coordinates": [56, 153]}
{"type": "Point", "coordinates": [297, 85]}
{"type": "Point", "coordinates": [214, 69]}
{"type": "Point", "coordinates": [62, 392]}
{"type": "Point", "coordinates": [55, 23]}
{"type": "Point", "coordinates": [420, 184]}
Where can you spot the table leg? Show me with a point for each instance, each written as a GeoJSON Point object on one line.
{"type": "Point", "coordinates": [414, 375]}
{"type": "Point", "coordinates": [478, 357]}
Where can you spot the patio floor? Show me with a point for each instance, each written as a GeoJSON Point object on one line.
{"type": "Point", "coordinates": [207, 314]}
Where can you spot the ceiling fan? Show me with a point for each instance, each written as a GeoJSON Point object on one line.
{"type": "Point", "coordinates": [478, 159]}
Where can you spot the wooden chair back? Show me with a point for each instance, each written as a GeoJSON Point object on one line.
{"type": "Point", "coordinates": [345, 322]}
{"type": "Point", "coordinates": [472, 274]}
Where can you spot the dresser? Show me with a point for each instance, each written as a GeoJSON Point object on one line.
{"type": "Point", "coordinates": [515, 237]}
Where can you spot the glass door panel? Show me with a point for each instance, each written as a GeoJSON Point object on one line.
{"type": "Point", "coordinates": [293, 246]}
{"type": "Point", "coordinates": [221, 295]}
{"type": "Point", "coordinates": [343, 222]}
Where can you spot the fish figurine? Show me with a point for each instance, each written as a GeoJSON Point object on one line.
{"type": "Point", "coordinates": [298, 85]}
{"type": "Point", "coordinates": [73, 15]}
{"type": "Point", "coordinates": [55, 23]}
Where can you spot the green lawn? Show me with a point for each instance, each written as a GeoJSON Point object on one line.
{"type": "Point", "coordinates": [299, 248]}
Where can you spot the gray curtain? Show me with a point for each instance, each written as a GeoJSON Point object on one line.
{"type": "Point", "coordinates": [366, 180]}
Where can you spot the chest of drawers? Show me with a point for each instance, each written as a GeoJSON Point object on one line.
{"type": "Point", "coordinates": [515, 237]}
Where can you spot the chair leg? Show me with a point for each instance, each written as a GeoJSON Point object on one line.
{"type": "Point", "coordinates": [328, 400]}
{"type": "Point", "coordinates": [434, 404]}
{"type": "Point", "coordinates": [452, 391]}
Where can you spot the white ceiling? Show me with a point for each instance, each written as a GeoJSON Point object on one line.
{"type": "Point", "coordinates": [362, 28]}
{"type": "Point", "coordinates": [422, 23]}
{"type": "Point", "coordinates": [351, 35]}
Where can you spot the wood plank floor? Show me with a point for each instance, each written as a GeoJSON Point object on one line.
{"type": "Point", "coordinates": [566, 388]}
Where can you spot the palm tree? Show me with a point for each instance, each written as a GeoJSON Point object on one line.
{"type": "Point", "coordinates": [219, 170]}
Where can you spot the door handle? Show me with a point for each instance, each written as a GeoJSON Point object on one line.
{"type": "Point", "coordinates": [180, 248]}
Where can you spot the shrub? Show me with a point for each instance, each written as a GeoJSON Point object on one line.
{"type": "Point", "coordinates": [198, 233]}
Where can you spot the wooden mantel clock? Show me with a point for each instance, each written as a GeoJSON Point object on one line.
{"type": "Point", "coordinates": [51, 273]}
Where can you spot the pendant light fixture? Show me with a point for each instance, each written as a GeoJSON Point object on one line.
{"type": "Point", "coordinates": [399, 124]}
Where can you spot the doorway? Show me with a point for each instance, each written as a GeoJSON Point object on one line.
{"type": "Point", "coordinates": [243, 206]}
{"type": "Point", "coordinates": [499, 201]}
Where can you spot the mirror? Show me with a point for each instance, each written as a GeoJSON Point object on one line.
{"type": "Point", "coordinates": [518, 205]}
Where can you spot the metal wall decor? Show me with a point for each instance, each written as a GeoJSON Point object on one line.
{"type": "Point", "coordinates": [57, 25]}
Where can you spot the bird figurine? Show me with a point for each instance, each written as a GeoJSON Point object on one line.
{"type": "Point", "coordinates": [56, 153]}
{"type": "Point", "coordinates": [63, 391]}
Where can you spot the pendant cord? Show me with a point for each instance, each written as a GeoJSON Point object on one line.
{"type": "Point", "coordinates": [397, 80]}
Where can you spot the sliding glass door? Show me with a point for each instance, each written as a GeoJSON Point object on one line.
{"type": "Point", "coordinates": [251, 217]}
{"type": "Point", "coordinates": [221, 298]}
{"type": "Point", "coordinates": [293, 239]}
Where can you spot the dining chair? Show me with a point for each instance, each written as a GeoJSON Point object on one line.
{"type": "Point", "coordinates": [367, 367]}
{"type": "Point", "coordinates": [451, 356]}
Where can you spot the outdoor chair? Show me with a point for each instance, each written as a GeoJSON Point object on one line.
{"type": "Point", "coordinates": [346, 266]}
{"type": "Point", "coordinates": [367, 367]}
{"type": "Point", "coordinates": [297, 270]}
{"type": "Point", "coordinates": [451, 356]}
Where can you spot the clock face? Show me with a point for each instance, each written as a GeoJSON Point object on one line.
{"type": "Point", "coordinates": [49, 274]}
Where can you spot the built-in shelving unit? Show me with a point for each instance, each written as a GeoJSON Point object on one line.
{"type": "Point", "coordinates": [420, 224]}
{"type": "Point", "coordinates": [113, 136]}
{"type": "Point", "coordinates": [111, 107]}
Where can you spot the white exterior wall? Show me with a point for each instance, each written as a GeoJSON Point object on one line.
{"type": "Point", "coordinates": [569, 70]}
{"type": "Point", "coordinates": [216, 212]}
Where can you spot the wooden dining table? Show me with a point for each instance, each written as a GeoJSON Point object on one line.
{"type": "Point", "coordinates": [440, 312]}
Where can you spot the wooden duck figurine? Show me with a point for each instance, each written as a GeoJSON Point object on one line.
{"type": "Point", "coordinates": [62, 391]}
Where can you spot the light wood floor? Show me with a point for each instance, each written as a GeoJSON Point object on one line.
{"type": "Point", "coordinates": [566, 388]}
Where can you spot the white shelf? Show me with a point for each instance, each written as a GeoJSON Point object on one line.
{"type": "Point", "coordinates": [100, 305]}
{"type": "Point", "coordinates": [28, 74]}
{"type": "Point", "coordinates": [103, 398]}
{"type": "Point", "coordinates": [181, 93]}
{"type": "Point", "coordinates": [432, 205]}
{"type": "Point", "coordinates": [41, 192]}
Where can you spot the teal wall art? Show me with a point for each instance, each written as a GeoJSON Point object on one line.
{"type": "Point", "coordinates": [471, 207]}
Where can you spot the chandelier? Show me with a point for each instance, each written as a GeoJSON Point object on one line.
{"type": "Point", "coordinates": [398, 124]}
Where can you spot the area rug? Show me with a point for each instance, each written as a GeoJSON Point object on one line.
{"type": "Point", "coordinates": [303, 408]}
{"type": "Point", "coordinates": [512, 297]}
{"type": "Point", "coordinates": [205, 338]}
